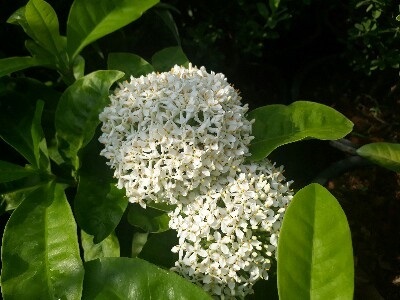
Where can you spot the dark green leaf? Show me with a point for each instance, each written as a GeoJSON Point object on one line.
{"type": "Point", "coordinates": [386, 155]}
{"type": "Point", "coordinates": [165, 59]}
{"type": "Point", "coordinates": [40, 253]}
{"type": "Point", "coordinates": [315, 257]}
{"type": "Point", "coordinates": [166, 16]}
{"type": "Point", "coordinates": [10, 172]}
{"type": "Point", "coordinates": [90, 20]}
{"type": "Point", "coordinates": [109, 247]}
{"type": "Point", "coordinates": [27, 137]}
{"type": "Point", "coordinates": [130, 64]}
{"type": "Point", "coordinates": [132, 278]}
{"type": "Point", "coordinates": [77, 114]}
{"type": "Point", "coordinates": [277, 125]}
{"type": "Point", "coordinates": [43, 23]}
{"type": "Point", "coordinates": [99, 204]}
{"type": "Point", "coordinates": [18, 18]}
{"type": "Point", "coordinates": [158, 248]}
{"type": "Point", "coordinates": [148, 219]}
{"type": "Point", "coordinates": [13, 64]}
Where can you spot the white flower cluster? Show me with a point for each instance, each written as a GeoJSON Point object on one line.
{"type": "Point", "coordinates": [181, 137]}
{"type": "Point", "coordinates": [165, 133]}
{"type": "Point", "coordinates": [228, 230]}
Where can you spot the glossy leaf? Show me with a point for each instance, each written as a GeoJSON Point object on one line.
{"type": "Point", "coordinates": [165, 59]}
{"type": "Point", "coordinates": [43, 24]}
{"type": "Point", "coordinates": [40, 252]}
{"type": "Point", "coordinates": [38, 140]}
{"type": "Point", "coordinates": [99, 204]}
{"type": "Point", "coordinates": [15, 198]}
{"type": "Point", "coordinates": [148, 219]}
{"type": "Point", "coordinates": [90, 20]}
{"type": "Point", "coordinates": [10, 171]}
{"type": "Point", "coordinates": [132, 278]}
{"type": "Point", "coordinates": [109, 247]}
{"type": "Point", "coordinates": [315, 257]}
{"type": "Point", "coordinates": [130, 64]}
{"type": "Point", "coordinates": [277, 125]}
{"type": "Point", "coordinates": [77, 114]}
{"type": "Point", "coordinates": [13, 64]}
{"type": "Point", "coordinates": [386, 155]}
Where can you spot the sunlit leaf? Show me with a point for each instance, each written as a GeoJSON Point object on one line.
{"type": "Point", "coordinates": [315, 257]}
{"type": "Point", "coordinates": [277, 125]}
{"type": "Point", "coordinates": [43, 24]}
{"type": "Point", "coordinates": [109, 247]}
{"type": "Point", "coordinates": [130, 64]}
{"type": "Point", "coordinates": [77, 114]}
{"type": "Point", "coordinates": [40, 253]}
{"type": "Point", "coordinates": [148, 219]}
{"type": "Point", "coordinates": [90, 20]}
{"type": "Point", "coordinates": [132, 278]}
{"type": "Point", "coordinates": [386, 155]}
{"type": "Point", "coordinates": [165, 59]}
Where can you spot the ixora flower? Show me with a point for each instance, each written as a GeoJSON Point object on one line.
{"type": "Point", "coordinates": [165, 133]}
{"type": "Point", "coordinates": [228, 230]}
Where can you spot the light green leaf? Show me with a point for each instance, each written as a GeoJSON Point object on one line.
{"type": "Point", "coordinates": [43, 24]}
{"type": "Point", "coordinates": [40, 252]}
{"type": "Point", "coordinates": [148, 219]}
{"type": "Point", "coordinates": [13, 64]}
{"type": "Point", "coordinates": [132, 278]}
{"type": "Point", "coordinates": [38, 140]}
{"type": "Point", "coordinates": [109, 247]}
{"type": "Point", "coordinates": [386, 155]}
{"type": "Point", "coordinates": [165, 59]}
{"type": "Point", "coordinates": [10, 171]}
{"type": "Point", "coordinates": [18, 18]}
{"type": "Point", "coordinates": [90, 20]}
{"type": "Point", "coordinates": [77, 114]}
{"type": "Point", "coordinates": [315, 257]}
{"type": "Point", "coordinates": [79, 67]}
{"type": "Point", "coordinates": [130, 64]}
{"type": "Point", "coordinates": [139, 239]}
{"type": "Point", "coordinates": [277, 125]}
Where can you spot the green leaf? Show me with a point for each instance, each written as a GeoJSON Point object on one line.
{"type": "Point", "coordinates": [14, 199]}
{"type": "Point", "coordinates": [26, 136]}
{"type": "Point", "coordinates": [38, 140]}
{"type": "Point", "coordinates": [157, 248]}
{"type": "Point", "coordinates": [165, 59]}
{"type": "Point", "coordinates": [77, 114]}
{"type": "Point", "coordinates": [130, 64]}
{"type": "Point", "coordinates": [277, 125]}
{"type": "Point", "coordinates": [90, 20]}
{"type": "Point", "coordinates": [315, 257]}
{"type": "Point", "coordinates": [109, 247]}
{"type": "Point", "coordinates": [132, 278]}
{"type": "Point", "coordinates": [148, 219]}
{"type": "Point", "coordinates": [43, 24]}
{"type": "Point", "coordinates": [40, 253]}
{"type": "Point", "coordinates": [10, 171]}
{"type": "Point", "coordinates": [13, 64]}
{"type": "Point", "coordinates": [99, 204]}
{"type": "Point", "coordinates": [139, 239]}
{"type": "Point", "coordinates": [386, 155]}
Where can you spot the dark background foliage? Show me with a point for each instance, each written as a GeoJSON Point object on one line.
{"type": "Point", "coordinates": [341, 53]}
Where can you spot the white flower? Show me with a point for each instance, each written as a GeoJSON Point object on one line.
{"type": "Point", "coordinates": [228, 230]}
{"type": "Point", "coordinates": [165, 133]}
